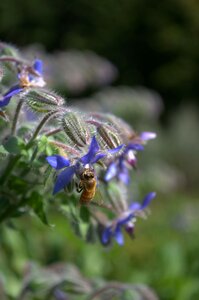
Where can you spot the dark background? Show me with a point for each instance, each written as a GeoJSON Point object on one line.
{"type": "Point", "coordinates": [153, 43]}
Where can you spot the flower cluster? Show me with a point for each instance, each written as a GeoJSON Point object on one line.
{"type": "Point", "coordinates": [126, 219]}
{"type": "Point", "coordinates": [96, 151]}
{"type": "Point", "coordinates": [90, 158]}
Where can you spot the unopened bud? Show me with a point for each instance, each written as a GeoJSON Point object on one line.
{"type": "Point", "coordinates": [8, 50]}
{"type": "Point", "coordinates": [42, 101]}
{"type": "Point", "coordinates": [109, 136]}
{"type": "Point", "coordinates": [76, 129]}
{"type": "Point", "coordinates": [125, 130]}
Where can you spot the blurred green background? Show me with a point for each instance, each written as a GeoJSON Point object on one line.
{"type": "Point", "coordinates": [154, 50]}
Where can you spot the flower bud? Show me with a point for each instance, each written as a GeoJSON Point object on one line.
{"type": "Point", "coordinates": [42, 101]}
{"type": "Point", "coordinates": [76, 129]}
{"type": "Point", "coordinates": [109, 136]}
{"type": "Point", "coordinates": [8, 50]}
{"type": "Point", "coordinates": [126, 131]}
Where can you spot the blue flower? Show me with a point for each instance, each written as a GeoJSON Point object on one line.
{"type": "Point", "coordinates": [120, 167]}
{"type": "Point", "coordinates": [25, 80]}
{"type": "Point", "coordinates": [147, 135]}
{"type": "Point", "coordinates": [126, 220]}
{"type": "Point", "coordinates": [91, 157]}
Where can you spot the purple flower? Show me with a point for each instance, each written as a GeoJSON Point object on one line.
{"type": "Point", "coordinates": [147, 135]}
{"type": "Point", "coordinates": [126, 219]}
{"type": "Point", "coordinates": [25, 80]}
{"type": "Point", "coordinates": [91, 157]}
{"type": "Point", "coordinates": [120, 167]}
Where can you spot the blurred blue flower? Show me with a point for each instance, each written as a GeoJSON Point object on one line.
{"type": "Point", "coordinates": [25, 80]}
{"type": "Point", "coordinates": [120, 167]}
{"type": "Point", "coordinates": [126, 220]}
{"type": "Point", "coordinates": [91, 157]}
{"type": "Point", "coordinates": [147, 135]}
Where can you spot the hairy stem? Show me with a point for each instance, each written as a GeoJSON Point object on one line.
{"type": "Point", "coordinates": [112, 286]}
{"type": "Point", "coordinates": [53, 131]}
{"type": "Point", "coordinates": [45, 119]}
{"type": "Point", "coordinates": [16, 116]}
{"type": "Point", "coordinates": [64, 147]}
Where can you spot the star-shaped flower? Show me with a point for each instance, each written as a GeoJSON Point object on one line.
{"type": "Point", "coordinates": [119, 168]}
{"type": "Point", "coordinates": [26, 80]}
{"type": "Point", "coordinates": [58, 162]}
{"type": "Point", "coordinates": [126, 219]}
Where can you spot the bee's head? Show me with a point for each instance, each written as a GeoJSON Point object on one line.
{"type": "Point", "coordinates": [88, 175]}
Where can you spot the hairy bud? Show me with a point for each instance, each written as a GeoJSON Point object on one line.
{"type": "Point", "coordinates": [76, 129]}
{"type": "Point", "coordinates": [109, 136]}
{"type": "Point", "coordinates": [42, 101]}
{"type": "Point", "coordinates": [8, 50]}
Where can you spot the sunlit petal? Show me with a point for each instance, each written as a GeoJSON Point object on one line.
{"type": "Point", "coordinates": [63, 179]}
{"type": "Point", "coordinates": [57, 161]}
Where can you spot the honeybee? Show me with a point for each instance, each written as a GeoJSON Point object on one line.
{"type": "Point", "coordinates": [87, 186]}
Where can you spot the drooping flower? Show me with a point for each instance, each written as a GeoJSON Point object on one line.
{"type": "Point", "coordinates": [26, 80]}
{"type": "Point", "coordinates": [126, 220]}
{"type": "Point", "coordinates": [58, 162]}
{"type": "Point", "coordinates": [147, 135]}
{"type": "Point", "coordinates": [119, 168]}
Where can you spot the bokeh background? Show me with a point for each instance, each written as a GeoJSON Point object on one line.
{"type": "Point", "coordinates": [140, 60]}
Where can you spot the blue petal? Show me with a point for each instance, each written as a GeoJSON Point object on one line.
{"type": "Point", "coordinates": [57, 161]}
{"type": "Point", "coordinates": [119, 236]}
{"type": "Point", "coordinates": [147, 135]}
{"type": "Point", "coordinates": [115, 150]}
{"type": "Point", "coordinates": [124, 176]}
{"type": "Point", "coordinates": [111, 171]}
{"type": "Point", "coordinates": [125, 220]}
{"type": "Point", "coordinates": [93, 149]}
{"type": "Point", "coordinates": [63, 179]}
{"type": "Point", "coordinates": [148, 199]}
{"type": "Point", "coordinates": [7, 96]}
{"type": "Point", "coordinates": [106, 235]}
{"type": "Point", "coordinates": [135, 206]}
{"type": "Point", "coordinates": [136, 147]}
{"type": "Point", "coordinates": [98, 157]}
{"type": "Point", "coordinates": [38, 66]}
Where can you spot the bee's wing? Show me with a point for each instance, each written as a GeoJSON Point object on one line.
{"type": "Point", "coordinates": [98, 199]}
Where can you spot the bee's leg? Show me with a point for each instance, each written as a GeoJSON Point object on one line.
{"type": "Point", "coordinates": [79, 187]}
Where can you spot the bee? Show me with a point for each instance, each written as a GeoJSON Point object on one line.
{"type": "Point", "coordinates": [87, 186]}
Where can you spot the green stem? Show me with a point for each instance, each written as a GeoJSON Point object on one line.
{"type": "Point", "coordinates": [16, 117]}
{"type": "Point", "coordinates": [53, 131]}
{"type": "Point", "coordinates": [47, 117]}
{"type": "Point", "coordinates": [64, 147]}
{"type": "Point", "coordinates": [11, 165]}
{"type": "Point", "coordinates": [112, 286]}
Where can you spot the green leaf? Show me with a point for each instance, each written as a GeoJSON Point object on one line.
{"type": "Point", "coordinates": [84, 214]}
{"type": "Point", "coordinates": [12, 145]}
{"type": "Point", "coordinates": [91, 234]}
{"type": "Point", "coordinates": [3, 152]}
{"type": "Point", "coordinates": [37, 204]}
{"type": "Point", "coordinates": [43, 142]}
